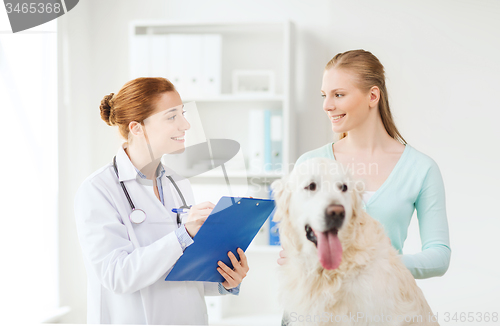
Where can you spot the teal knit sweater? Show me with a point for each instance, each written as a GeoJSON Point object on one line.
{"type": "Point", "coordinates": [414, 183]}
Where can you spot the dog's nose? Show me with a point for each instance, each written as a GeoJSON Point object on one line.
{"type": "Point", "coordinates": [334, 210]}
{"type": "Point", "coordinates": [334, 215]}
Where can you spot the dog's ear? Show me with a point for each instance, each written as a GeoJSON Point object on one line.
{"type": "Point", "coordinates": [356, 199]}
{"type": "Point", "coordinates": [357, 188]}
{"type": "Point", "coordinates": [281, 196]}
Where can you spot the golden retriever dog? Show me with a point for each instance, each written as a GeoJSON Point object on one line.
{"type": "Point", "coordinates": [341, 268]}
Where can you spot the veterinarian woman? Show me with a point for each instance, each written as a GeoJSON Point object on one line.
{"type": "Point", "coordinates": [127, 256]}
{"type": "Point", "coordinates": [397, 177]}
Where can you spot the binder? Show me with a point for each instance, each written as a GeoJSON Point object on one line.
{"type": "Point", "coordinates": [233, 224]}
{"type": "Point", "coordinates": [276, 140]}
{"type": "Point", "coordinates": [192, 64]}
{"type": "Point", "coordinates": [177, 63]}
{"type": "Point", "coordinates": [211, 65]}
{"type": "Point", "coordinates": [256, 141]}
{"type": "Point", "coordinates": [267, 140]}
{"type": "Point", "coordinates": [272, 140]}
{"type": "Point", "coordinates": [274, 235]}
{"type": "Point", "coordinates": [191, 61]}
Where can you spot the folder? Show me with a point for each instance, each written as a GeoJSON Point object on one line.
{"type": "Point", "coordinates": [267, 140]}
{"type": "Point", "coordinates": [276, 140]}
{"type": "Point", "coordinates": [177, 63]}
{"type": "Point", "coordinates": [232, 224]}
{"type": "Point", "coordinates": [211, 65]}
{"type": "Point", "coordinates": [256, 141]}
{"type": "Point", "coordinates": [192, 59]}
{"type": "Point", "coordinates": [274, 235]}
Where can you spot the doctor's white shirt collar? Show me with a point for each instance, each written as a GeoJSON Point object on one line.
{"type": "Point", "coordinates": [127, 170]}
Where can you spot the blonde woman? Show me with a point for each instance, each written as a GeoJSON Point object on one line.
{"type": "Point", "coordinates": [397, 177]}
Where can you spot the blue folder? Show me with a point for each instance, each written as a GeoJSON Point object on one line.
{"type": "Point", "coordinates": [232, 224]}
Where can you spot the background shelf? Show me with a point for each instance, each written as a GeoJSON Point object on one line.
{"type": "Point", "coordinates": [238, 98]}
{"type": "Point", "coordinates": [262, 47]}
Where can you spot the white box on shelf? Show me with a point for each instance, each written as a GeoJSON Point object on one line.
{"type": "Point", "coordinates": [253, 81]}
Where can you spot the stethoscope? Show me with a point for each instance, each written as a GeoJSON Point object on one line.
{"type": "Point", "coordinates": [137, 215]}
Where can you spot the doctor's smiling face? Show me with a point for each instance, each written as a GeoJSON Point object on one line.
{"type": "Point", "coordinates": [166, 128]}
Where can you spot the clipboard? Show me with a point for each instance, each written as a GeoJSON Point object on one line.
{"type": "Point", "coordinates": [232, 224]}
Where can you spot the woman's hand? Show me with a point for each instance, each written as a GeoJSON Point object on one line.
{"type": "Point", "coordinates": [282, 259]}
{"type": "Point", "coordinates": [237, 274]}
{"type": "Point", "coordinates": [197, 216]}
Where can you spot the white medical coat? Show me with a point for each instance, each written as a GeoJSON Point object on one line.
{"type": "Point", "coordinates": [126, 270]}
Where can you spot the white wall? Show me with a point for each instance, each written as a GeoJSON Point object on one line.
{"type": "Point", "coordinates": [442, 70]}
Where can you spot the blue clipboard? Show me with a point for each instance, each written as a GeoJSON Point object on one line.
{"type": "Point", "coordinates": [232, 224]}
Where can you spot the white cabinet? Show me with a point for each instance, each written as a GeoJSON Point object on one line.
{"type": "Point", "coordinates": [201, 58]}
{"type": "Point", "coordinates": [203, 70]}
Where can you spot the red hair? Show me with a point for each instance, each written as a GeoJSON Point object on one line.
{"type": "Point", "coordinates": [135, 101]}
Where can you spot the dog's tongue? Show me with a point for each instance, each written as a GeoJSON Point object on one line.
{"type": "Point", "coordinates": [329, 249]}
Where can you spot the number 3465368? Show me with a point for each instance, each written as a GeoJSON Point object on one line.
{"type": "Point", "coordinates": [33, 8]}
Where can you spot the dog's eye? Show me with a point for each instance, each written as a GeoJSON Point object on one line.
{"type": "Point", "coordinates": [311, 186]}
{"type": "Point", "coordinates": [342, 186]}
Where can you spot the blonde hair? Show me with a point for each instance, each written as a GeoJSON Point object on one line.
{"type": "Point", "coordinates": [369, 72]}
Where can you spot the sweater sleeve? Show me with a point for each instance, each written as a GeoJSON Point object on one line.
{"type": "Point", "coordinates": [434, 259]}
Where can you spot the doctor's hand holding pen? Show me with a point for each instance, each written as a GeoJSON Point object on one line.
{"type": "Point", "coordinates": [197, 216]}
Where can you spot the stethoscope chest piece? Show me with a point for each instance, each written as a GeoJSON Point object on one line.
{"type": "Point", "coordinates": [137, 216]}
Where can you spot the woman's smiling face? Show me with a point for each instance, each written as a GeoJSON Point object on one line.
{"type": "Point", "coordinates": [343, 98]}
{"type": "Point", "coordinates": [167, 127]}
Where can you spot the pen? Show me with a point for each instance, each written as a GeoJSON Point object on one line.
{"type": "Point", "coordinates": [181, 210]}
